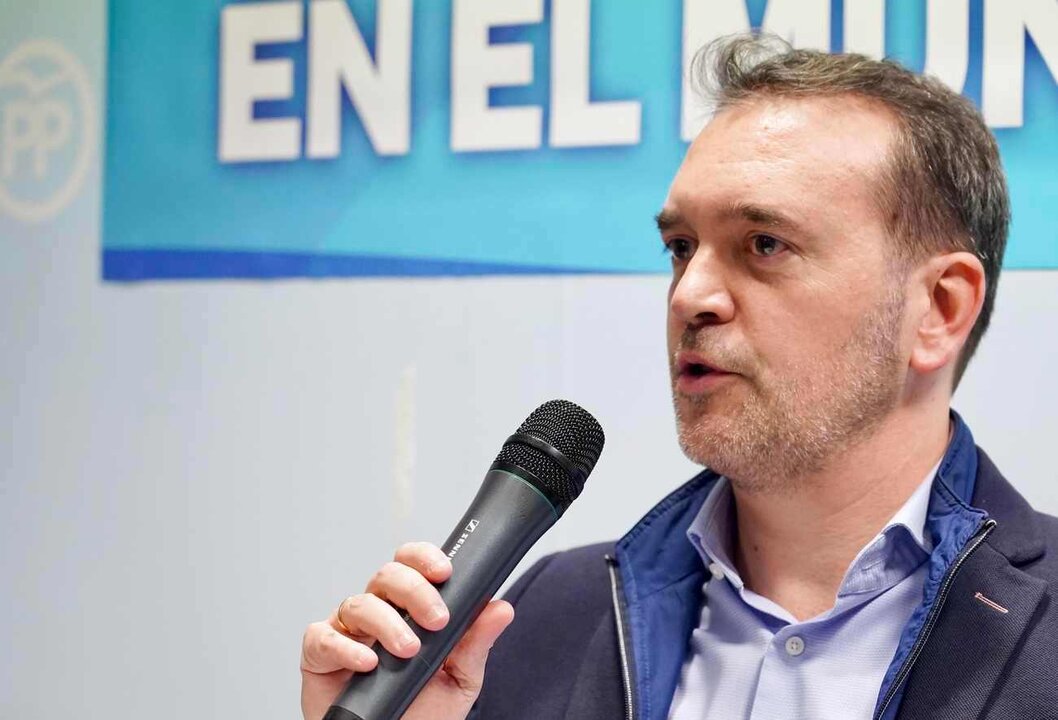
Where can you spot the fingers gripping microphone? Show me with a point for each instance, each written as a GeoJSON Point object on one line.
{"type": "Point", "coordinates": [539, 472]}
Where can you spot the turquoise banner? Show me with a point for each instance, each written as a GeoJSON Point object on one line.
{"type": "Point", "coordinates": [401, 137]}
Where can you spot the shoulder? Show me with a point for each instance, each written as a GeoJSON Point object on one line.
{"type": "Point", "coordinates": [563, 582]}
{"type": "Point", "coordinates": [1026, 537]}
{"type": "Point", "coordinates": [1049, 525]}
{"type": "Point", "coordinates": [1046, 566]}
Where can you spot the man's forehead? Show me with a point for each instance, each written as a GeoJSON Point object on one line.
{"type": "Point", "coordinates": [803, 150]}
{"type": "Point", "coordinates": [860, 127]}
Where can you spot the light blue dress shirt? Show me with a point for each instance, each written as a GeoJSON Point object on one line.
{"type": "Point", "coordinates": [752, 660]}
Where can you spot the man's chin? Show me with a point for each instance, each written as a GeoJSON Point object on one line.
{"type": "Point", "coordinates": [718, 451]}
{"type": "Point", "coordinates": [701, 430]}
{"type": "Point", "coordinates": [707, 455]}
{"type": "Point", "coordinates": [719, 431]}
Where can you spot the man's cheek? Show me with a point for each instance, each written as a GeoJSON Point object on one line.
{"type": "Point", "coordinates": [673, 332]}
{"type": "Point", "coordinates": [794, 341]}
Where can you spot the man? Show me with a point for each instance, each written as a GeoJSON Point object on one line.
{"type": "Point", "coordinates": [836, 234]}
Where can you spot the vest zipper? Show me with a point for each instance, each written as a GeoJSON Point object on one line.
{"type": "Point", "coordinates": [622, 640]}
{"type": "Point", "coordinates": [934, 614]}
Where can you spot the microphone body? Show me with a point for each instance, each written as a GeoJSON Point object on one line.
{"type": "Point", "coordinates": [506, 517]}
{"type": "Point", "coordinates": [539, 471]}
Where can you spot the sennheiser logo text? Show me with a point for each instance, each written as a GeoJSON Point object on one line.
{"type": "Point", "coordinates": [470, 527]}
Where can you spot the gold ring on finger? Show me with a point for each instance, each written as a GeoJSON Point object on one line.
{"type": "Point", "coordinates": [338, 616]}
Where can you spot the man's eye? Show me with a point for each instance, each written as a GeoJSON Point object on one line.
{"type": "Point", "coordinates": [679, 248]}
{"type": "Point", "coordinates": [766, 245]}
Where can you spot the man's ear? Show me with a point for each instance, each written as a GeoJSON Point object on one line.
{"type": "Point", "coordinates": [955, 287]}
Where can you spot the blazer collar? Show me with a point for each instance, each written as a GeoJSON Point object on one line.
{"type": "Point", "coordinates": [1017, 535]}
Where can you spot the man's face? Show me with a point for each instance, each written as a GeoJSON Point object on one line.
{"type": "Point", "coordinates": [785, 311]}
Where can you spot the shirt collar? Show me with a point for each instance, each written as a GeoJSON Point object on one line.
{"type": "Point", "coordinates": [912, 514]}
{"type": "Point", "coordinates": [712, 534]}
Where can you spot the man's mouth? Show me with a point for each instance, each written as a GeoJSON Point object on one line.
{"type": "Point", "coordinates": [696, 374]}
{"type": "Point", "coordinates": [695, 365]}
{"type": "Point", "coordinates": [698, 370]}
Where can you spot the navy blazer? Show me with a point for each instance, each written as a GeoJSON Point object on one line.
{"type": "Point", "coordinates": [570, 652]}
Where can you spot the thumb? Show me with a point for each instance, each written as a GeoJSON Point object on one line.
{"type": "Point", "coordinates": [466, 663]}
{"type": "Point", "coordinates": [454, 688]}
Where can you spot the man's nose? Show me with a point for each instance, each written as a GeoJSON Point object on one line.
{"type": "Point", "coordinates": [701, 296]}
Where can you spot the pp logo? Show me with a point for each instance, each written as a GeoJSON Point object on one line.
{"type": "Point", "coordinates": [47, 130]}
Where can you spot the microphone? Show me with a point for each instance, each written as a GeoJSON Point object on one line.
{"type": "Point", "coordinates": [539, 472]}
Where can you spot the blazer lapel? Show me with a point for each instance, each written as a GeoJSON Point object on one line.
{"type": "Point", "coordinates": [989, 608]}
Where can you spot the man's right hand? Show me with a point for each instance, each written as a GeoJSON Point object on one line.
{"type": "Point", "coordinates": [336, 648]}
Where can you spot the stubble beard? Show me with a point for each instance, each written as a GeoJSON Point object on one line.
{"type": "Point", "coordinates": [788, 429]}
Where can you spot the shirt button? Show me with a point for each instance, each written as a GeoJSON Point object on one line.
{"type": "Point", "coordinates": [795, 646]}
{"type": "Point", "coordinates": [716, 570]}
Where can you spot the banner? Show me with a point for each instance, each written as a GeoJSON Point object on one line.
{"type": "Point", "coordinates": [392, 137]}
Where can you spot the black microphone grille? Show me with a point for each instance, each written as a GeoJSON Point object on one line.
{"type": "Point", "coordinates": [567, 428]}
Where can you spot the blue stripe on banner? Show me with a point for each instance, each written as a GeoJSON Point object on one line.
{"type": "Point", "coordinates": [133, 265]}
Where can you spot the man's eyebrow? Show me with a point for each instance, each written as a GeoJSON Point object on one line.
{"type": "Point", "coordinates": [668, 219]}
{"type": "Point", "coordinates": [760, 215]}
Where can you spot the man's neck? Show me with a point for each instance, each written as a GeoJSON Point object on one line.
{"type": "Point", "coordinates": [794, 547]}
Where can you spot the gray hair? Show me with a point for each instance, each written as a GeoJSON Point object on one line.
{"type": "Point", "coordinates": [943, 188]}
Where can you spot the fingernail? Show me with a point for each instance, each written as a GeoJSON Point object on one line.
{"type": "Point", "coordinates": [406, 640]}
{"type": "Point", "coordinates": [436, 613]}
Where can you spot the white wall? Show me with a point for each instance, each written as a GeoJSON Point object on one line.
{"type": "Point", "coordinates": [194, 471]}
